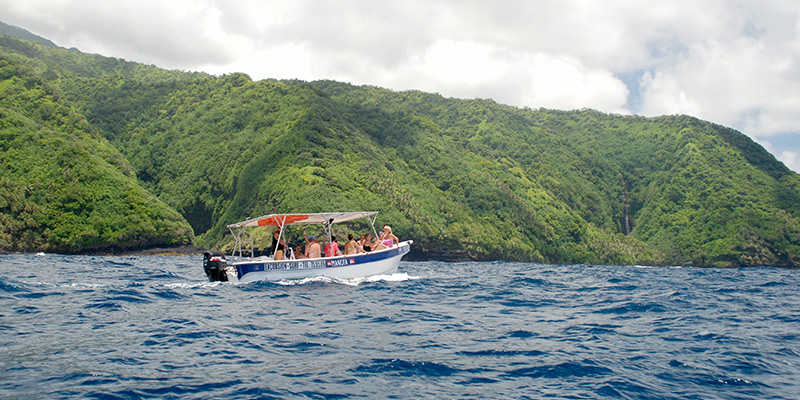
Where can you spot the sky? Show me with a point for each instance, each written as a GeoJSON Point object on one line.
{"type": "Point", "coordinates": [731, 62]}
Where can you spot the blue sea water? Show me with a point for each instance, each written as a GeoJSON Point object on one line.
{"type": "Point", "coordinates": [152, 327]}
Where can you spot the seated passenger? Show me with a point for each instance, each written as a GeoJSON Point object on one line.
{"type": "Point", "coordinates": [388, 239]}
{"type": "Point", "coordinates": [351, 247]}
{"type": "Point", "coordinates": [377, 244]}
{"type": "Point", "coordinates": [332, 248]}
{"type": "Point", "coordinates": [359, 245]}
{"type": "Point", "coordinates": [312, 248]}
{"type": "Point", "coordinates": [366, 243]}
{"type": "Point", "coordinates": [278, 244]}
{"type": "Point", "coordinates": [297, 253]}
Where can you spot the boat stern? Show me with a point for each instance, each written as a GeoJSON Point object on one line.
{"type": "Point", "coordinates": [215, 265]}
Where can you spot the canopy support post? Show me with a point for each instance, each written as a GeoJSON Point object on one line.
{"type": "Point", "coordinates": [237, 242]}
{"type": "Point", "coordinates": [252, 247]}
{"type": "Point", "coordinates": [372, 220]}
{"type": "Point", "coordinates": [281, 220]}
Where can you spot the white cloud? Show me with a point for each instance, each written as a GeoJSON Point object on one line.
{"type": "Point", "coordinates": [174, 34]}
{"type": "Point", "coordinates": [465, 69]}
{"type": "Point", "coordinates": [738, 83]}
{"type": "Point", "coordinates": [790, 159]}
{"type": "Point", "coordinates": [289, 61]}
{"type": "Point", "coordinates": [564, 82]}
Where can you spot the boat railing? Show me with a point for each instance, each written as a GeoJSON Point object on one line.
{"type": "Point", "coordinates": [270, 258]}
{"type": "Point", "coordinates": [240, 234]}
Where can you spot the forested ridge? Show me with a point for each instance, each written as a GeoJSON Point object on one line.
{"type": "Point", "coordinates": [97, 153]}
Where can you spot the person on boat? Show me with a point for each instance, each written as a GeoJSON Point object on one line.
{"type": "Point", "coordinates": [312, 247]}
{"type": "Point", "coordinates": [332, 248]}
{"type": "Point", "coordinates": [351, 247]}
{"type": "Point", "coordinates": [366, 244]}
{"type": "Point", "coordinates": [278, 244]}
{"type": "Point", "coordinates": [297, 253]}
{"type": "Point", "coordinates": [388, 239]}
{"type": "Point", "coordinates": [376, 243]}
{"type": "Point", "coordinates": [360, 244]}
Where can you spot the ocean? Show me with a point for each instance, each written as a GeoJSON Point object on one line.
{"type": "Point", "coordinates": [94, 327]}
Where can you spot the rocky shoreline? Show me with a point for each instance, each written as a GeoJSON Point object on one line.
{"type": "Point", "coordinates": [155, 251]}
{"type": "Point", "coordinates": [163, 251]}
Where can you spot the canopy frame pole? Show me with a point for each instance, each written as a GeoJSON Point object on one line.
{"type": "Point", "coordinates": [252, 247]}
{"type": "Point", "coordinates": [372, 220]}
{"type": "Point", "coordinates": [330, 230]}
{"type": "Point", "coordinates": [233, 251]}
{"type": "Point", "coordinates": [237, 242]}
{"type": "Point", "coordinates": [281, 220]}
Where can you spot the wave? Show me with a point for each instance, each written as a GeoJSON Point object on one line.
{"type": "Point", "coordinates": [396, 277]}
{"type": "Point", "coordinates": [192, 285]}
{"type": "Point", "coordinates": [405, 368]}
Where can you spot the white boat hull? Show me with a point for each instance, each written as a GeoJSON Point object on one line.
{"type": "Point", "coordinates": [381, 262]}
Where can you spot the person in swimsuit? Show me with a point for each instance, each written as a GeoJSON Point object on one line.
{"type": "Point", "coordinates": [351, 247]}
{"type": "Point", "coordinates": [278, 246]}
{"type": "Point", "coordinates": [366, 245]}
{"type": "Point", "coordinates": [360, 245]}
{"type": "Point", "coordinates": [388, 239]}
{"type": "Point", "coordinates": [298, 254]}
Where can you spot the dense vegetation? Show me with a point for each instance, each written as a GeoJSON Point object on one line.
{"type": "Point", "coordinates": [463, 178]}
{"type": "Point", "coordinates": [63, 187]}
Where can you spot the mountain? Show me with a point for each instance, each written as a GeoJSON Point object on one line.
{"type": "Point", "coordinates": [15, 31]}
{"type": "Point", "coordinates": [63, 187]}
{"type": "Point", "coordinates": [466, 179]}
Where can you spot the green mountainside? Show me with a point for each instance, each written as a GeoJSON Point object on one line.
{"type": "Point", "coordinates": [86, 140]}
{"type": "Point", "coordinates": [63, 187]}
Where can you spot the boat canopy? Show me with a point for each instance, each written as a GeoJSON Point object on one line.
{"type": "Point", "coordinates": [281, 220]}
{"type": "Point", "coordinates": [303, 219]}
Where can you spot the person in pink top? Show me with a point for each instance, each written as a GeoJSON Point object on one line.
{"type": "Point", "coordinates": [388, 238]}
{"type": "Point", "coordinates": [332, 248]}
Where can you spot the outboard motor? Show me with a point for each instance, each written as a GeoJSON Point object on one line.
{"type": "Point", "coordinates": [214, 264]}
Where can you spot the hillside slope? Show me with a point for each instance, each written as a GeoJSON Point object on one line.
{"type": "Point", "coordinates": [63, 187]}
{"type": "Point", "coordinates": [466, 179]}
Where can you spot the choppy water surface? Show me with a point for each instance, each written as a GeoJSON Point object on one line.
{"type": "Point", "coordinates": [151, 327]}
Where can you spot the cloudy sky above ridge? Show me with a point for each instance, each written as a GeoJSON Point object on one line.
{"type": "Point", "coordinates": [732, 62]}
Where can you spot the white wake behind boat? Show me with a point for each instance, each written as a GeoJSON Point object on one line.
{"type": "Point", "coordinates": [265, 268]}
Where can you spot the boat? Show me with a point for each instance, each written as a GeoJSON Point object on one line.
{"type": "Point", "coordinates": [242, 268]}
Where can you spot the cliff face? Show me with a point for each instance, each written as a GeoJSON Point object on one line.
{"type": "Point", "coordinates": [469, 179]}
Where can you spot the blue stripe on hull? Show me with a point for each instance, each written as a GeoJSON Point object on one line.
{"type": "Point", "coordinates": [321, 263]}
